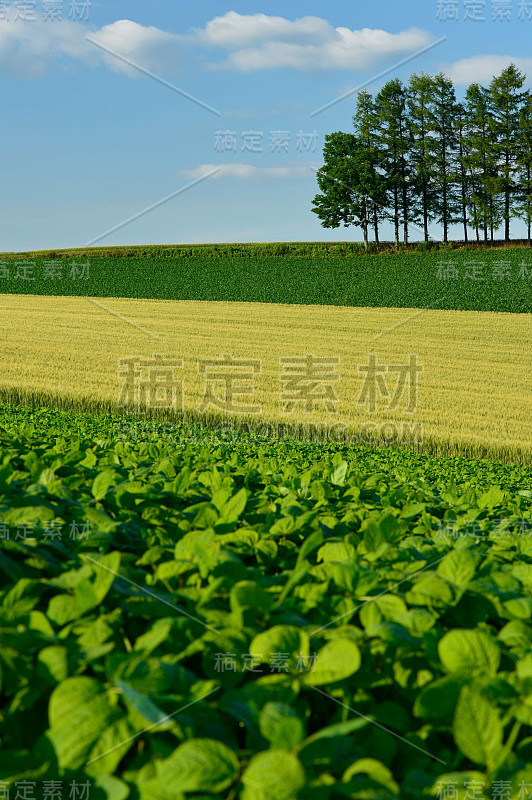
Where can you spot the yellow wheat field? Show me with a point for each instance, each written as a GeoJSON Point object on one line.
{"type": "Point", "coordinates": [473, 395]}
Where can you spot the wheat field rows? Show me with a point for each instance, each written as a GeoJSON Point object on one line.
{"type": "Point", "coordinates": [459, 381]}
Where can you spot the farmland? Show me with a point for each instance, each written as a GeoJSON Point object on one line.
{"type": "Point", "coordinates": [265, 506]}
{"type": "Point", "coordinates": [258, 619]}
{"type": "Point", "coordinates": [273, 605]}
{"type": "Point", "coordinates": [477, 280]}
{"type": "Point", "coordinates": [474, 395]}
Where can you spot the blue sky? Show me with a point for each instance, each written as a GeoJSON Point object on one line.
{"type": "Point", "coordinates": [90, 141]}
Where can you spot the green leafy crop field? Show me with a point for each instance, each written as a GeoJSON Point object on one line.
{"type": "Point", "coordinates": [479, 280]}
{"type": "Point", "coordinates": [183, 615]}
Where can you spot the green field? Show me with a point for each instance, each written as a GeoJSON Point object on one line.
{"type": "Point", "coordinates": [188, 615]}
{"type": "Point", "coordinates": [202, 612]}
{"type": "Point", "coordinates": [477, 280]}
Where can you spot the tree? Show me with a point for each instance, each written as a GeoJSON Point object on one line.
{"type": "Point", "coordinates": [506, 99]}
{"type": "Point", "coordinates": [417, 155]}
{"type": "Point", "coordinates": [524, 165]}
{"type": "Point", "coordinates": [394, 145]}
{"type": "Point", "coordinates": [463, 175]}
{"type": "Point", "coordinates": [422, 153]}
{"type": "Point", "coordinates": [347, 180]}
{"type": "Point", "coordinates": [366, 126]}
{"type": "Point", "coordinates": [485, 211]}
{"type": "Point", "coordinates": [443, 122]}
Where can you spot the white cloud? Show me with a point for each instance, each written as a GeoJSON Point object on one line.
{"type": "Point", "coordinates": [28, 48]}
{"type": "Point", "coordinates": [247, 172]}
{"type": "Point", "coordinates": [481, 69]}
{"type": "Point", "coordinates": [149, 47]}
{"type": "Point", "coordinates": [248, 42]}
{"type": "Point", "coordinates": [258, 41]}
{"type": "Point", "coordinates": [241, 30]}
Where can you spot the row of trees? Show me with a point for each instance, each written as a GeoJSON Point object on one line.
{"type": "Point", "coordinates": [418, 156]}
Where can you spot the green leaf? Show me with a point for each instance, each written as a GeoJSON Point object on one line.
{"type": "Point", "coordinates": [100, 521]}
{"type": "Point", "coordinates": [36, 514]}
{"type": "Point", "coordinates": [106, 571]}
{"type": "Point", "coordinates": [281, 641]}
{"type": "Point", "coordinates": [281, 726]}
{"type": "Point", "coordinates": [113, 788]}
{"type": "Point", "coordinates": [477, 728]}
{"type": "Point", "coordinates": [53, 663]}
{"type": "Point", "coordinates": [273, 775]}
{"type": "Point", "coordinates": [112, 744]}
{"type": "Point", "coordinates": [431, 591]}
{"type": "Point", "coordinates": [199, 548]}
{"type": "Point", "coordinates": [438, 699]}
{"type": "Point", "coordinates": [200, 765]}
{"type": "Point", "coordinates": [458, 567]}
{"type": "Point", "coordinates": [311, 543]}
{"type": "Point", "coordinates": [248, 594]}
{"type": "Point", "coordinates": [519, 607]}
{"type": "Point", "coordinates": [88, 594]}
{"type": "Point", "coordinates": [102, 482]}
{"type": "Point", "coordinates": [335, 661]}
{"type": "Point", "coordinates": [375, 770]}
{"type": "Point", "coordinates": [469, 651]}
{"type": "Point", "coordinates": [156, 790]}
{"type": "Point", "coordinates": [338, 474]}
{"type": "Point", "coordinates": [492, 498]}
{"type": "Point", "coordinates": [145, 707]}
{"type": "Point", "coordinates": [84, 726]}
{"type": "Point", "coordinates": [388, 607]}
{"type": "Point", "coordinates": [339, 730]}
{"type": "Point", "coordinates": [71, 694]}
{"type": "Point", "coordinates": [336, 551]}
{"type": "Point", "coordinates": [64, 608]}
{"type": "Point", "coordinates": [231, 510]}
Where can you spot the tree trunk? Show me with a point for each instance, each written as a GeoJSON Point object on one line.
{"type": "Point", "coordinates": [528, 176]}
{"type": "Point", "coordinates": [396, 218]}
{"type": "Point", "coordinates": [405, 212]}
{"type": "Point", "coordinates": [507, 201]}
{"type": "Point", "coordinates": [445, 219]}
{"type": "Point", "coordinates": [425, 203]}
{"type": "Point", "coordinates": [425, 209]}
{"type": "Point", "coordinates": [464, 206]}
{"type": "Point", "coordinates": [444, 180]}
{"type": "Point", "coordinates": [463, 186]}
{"type": "Point", "coordinates": [475, 212]}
